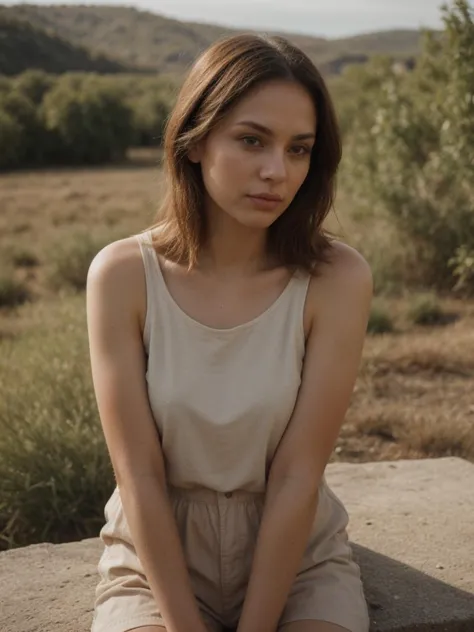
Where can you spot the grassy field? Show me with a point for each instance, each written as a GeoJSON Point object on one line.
{"type": "Point", "coordinates": [413, 396]}
{"type": "Point", "coordinates": [45, 208]}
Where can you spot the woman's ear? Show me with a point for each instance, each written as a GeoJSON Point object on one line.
{"type": "Point", "coordinates": [194, 153]}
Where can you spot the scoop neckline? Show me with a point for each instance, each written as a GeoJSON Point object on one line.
{"type": "Point", "coordinates": [208, 328]}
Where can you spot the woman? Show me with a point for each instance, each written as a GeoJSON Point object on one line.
{"type": "Point", "coordinates": [225, 343]}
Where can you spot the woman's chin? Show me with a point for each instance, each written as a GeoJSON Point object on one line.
{"type": "Point", "coordinates": [256, 219]}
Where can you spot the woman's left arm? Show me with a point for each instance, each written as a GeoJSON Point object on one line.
{"type": "Point", "coordinates": [333, 352]}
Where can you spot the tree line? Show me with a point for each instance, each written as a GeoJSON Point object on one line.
{"type": "Point", "coordinates": [79, 118]}
{"type": "Point", "coordinates": [408, 140]}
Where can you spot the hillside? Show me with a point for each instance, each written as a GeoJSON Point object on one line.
{"type": "Point", "coordinates": [149, 41]}
{"type": "Point", "coordinates": [23, 47]}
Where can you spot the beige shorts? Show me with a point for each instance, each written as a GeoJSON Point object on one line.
{"type": "Point", "coordinates": [218, 532]}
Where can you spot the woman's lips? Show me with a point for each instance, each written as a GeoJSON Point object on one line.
{"type": "Point", "coordinates": [264, 203]}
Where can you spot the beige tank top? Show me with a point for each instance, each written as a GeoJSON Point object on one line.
{"type": "Point", "coordinates": [221, 398]}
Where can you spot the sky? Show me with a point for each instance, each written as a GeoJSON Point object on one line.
{"type": "Point", "coordinates": [327, 18]}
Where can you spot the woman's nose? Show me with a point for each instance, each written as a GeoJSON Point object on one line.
{"type": "Point", "coordinates": [273, 166]}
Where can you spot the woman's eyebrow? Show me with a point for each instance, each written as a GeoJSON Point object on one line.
{"type": "Point", "coordinates": [266, 130]}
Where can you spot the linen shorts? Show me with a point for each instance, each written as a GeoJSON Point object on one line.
{"type": "Point", "coordinates": [218, 532]}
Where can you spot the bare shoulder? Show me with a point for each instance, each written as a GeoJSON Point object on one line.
{"type": "Point", "coordinates": [344, 283]}
{"type": "Point", "coordinates": [119, 256]}
{"type": "Point", "coordinates": [348, 261]}
{"type": "Point", "coordinates": [116, 272]}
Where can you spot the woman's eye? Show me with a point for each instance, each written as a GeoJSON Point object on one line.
{"type": "Point", "coordinates": [302, 150]}
{"type": "Point", "coordinates": [251, 141]}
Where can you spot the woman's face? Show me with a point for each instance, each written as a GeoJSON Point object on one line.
{"type": "Point", "coordinates": [261, 148]}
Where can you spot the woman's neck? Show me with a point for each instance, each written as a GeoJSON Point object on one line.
{"type": "Point", "coordinates": [234, 250]}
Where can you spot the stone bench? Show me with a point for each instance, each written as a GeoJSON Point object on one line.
{"type": "Point", "coordinates": [412, 529]}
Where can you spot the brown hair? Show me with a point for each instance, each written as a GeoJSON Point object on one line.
{"type": "Point", "coordinates": [224, 73]}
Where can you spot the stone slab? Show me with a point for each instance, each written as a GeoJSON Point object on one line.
{"type": "Point", "coordinates": [412, 529]}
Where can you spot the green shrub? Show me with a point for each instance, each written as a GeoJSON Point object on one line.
{"type": "Point", "coordinates": [424, 309]}
{"type": "Point", "coordinates": [33, 145]}
{"type": "Point", "coordinates": [11, 140]}
{"type": "Point", "coordinates": [91, 121]}
{"type": "Point", "coordinates": [12, 291]}
{"type": "Point", "coordinates": [5, 84]}
{"type": "Point", "coordinates": [24, 257]}
{"type": "Point", "coordinates": [462, 264]}
{"type": "Point", "coordinates": [15, 255]}
{"type": "Point", "coordinates": [33, 84]}
{"type": "Point", "coordinates": [150, 112]}
{"type": "Point", "coordinates": [380, 321]}
{"type": "Point", "coordinates": [68, 259]}
{"type": "Point", "coordinates": [410, 153]}
{"type": "Point", "coordinates": [79, 118]}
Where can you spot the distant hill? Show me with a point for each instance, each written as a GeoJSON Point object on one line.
{"type": "Point", "coordinates": [152, 42]}
{"type": "Point", "coordinates": [23, 47]}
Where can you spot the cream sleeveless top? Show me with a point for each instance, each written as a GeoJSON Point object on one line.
{"type": "Point", "coordinates": [221, 398]}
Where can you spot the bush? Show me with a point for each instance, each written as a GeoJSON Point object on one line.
{"type": "Point", "coordinates": [69, 259]}
{"type": "Point", "coordinates": [426, 310]}
{"type": "Point", "coordinates": [24, 257]}
{"type": "Point", "coordinates": [79, 118]}
{"type": "Point", "coordinates": [11, 140]}
{"type": "Point", "coordinates": [463, 269]}
{"type": "Point", "coordinates": [33, 84]}
{"type": "Point", "coordinates": [90, 120]}
{"type": "Point", "coordinates": [33, 145]}
{"type": "Point", "coordinates": [410, 154]}
{"type": "Point", "coordinates": [12, 291]}
{"type": "Point", "coordinates": [16, 255]}
{"type": "Point", "coordinates": [380, 321]}
{"type": "Point", "coordinates": [5, 85]}
{"type": "Point", "coordinates": [150, 112]}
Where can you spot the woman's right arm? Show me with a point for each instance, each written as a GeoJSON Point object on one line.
{"type": "Point", "coordinates": [115, 287]}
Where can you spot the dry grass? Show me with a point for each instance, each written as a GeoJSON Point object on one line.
{"type": "Point", "coordinates": [414, 395]}
{"type": "Point", "coordinates": [41, 208]}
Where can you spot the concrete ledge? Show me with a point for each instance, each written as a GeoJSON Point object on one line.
{"type": "Point", "coordinates": [412, 528]}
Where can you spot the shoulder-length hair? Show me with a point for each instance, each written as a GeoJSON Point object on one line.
{"type": "Point", "coordinates": [222, 75]}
